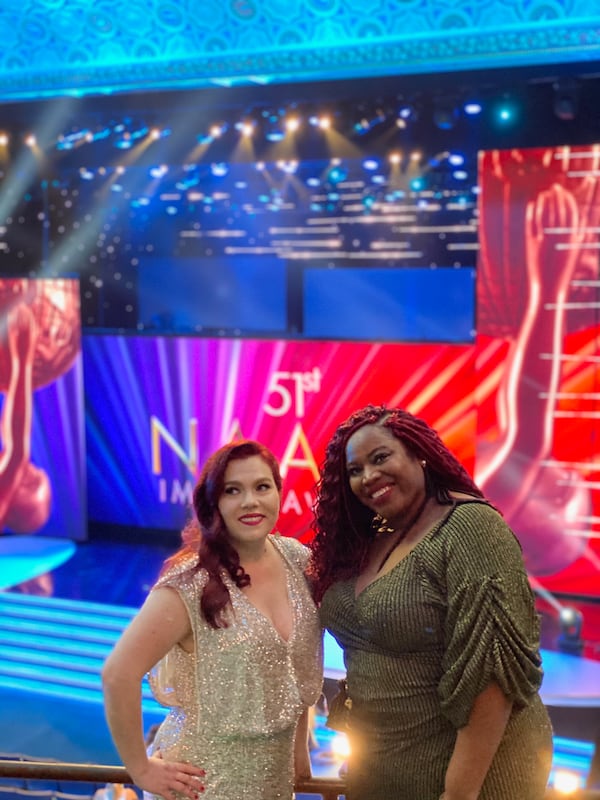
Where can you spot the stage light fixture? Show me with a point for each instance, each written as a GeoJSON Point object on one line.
{"type": "Point", "coordinates": [369, 121]}
{"type": "Point", "coordinates": [472, 108]}
{"type": "Point", "coordinates": [370, 164]}
{"type": "Point", "coordinates": [246, 128]}
{"type": "Point", "coordinates": [219, 169]}
{"type": "Point", "coordinates": [292, 124]}
{"type": "Point", "coordinates": [217, 130]}
{"type": "Point", "coordinates": [287, 166]}
{"type": "Point", "coordinates": [571, 622]}
{"type": "Point", "coordinates": [566, 782]}
{"type": "Point", "coordinates": [407, 112]}
{"type": "Point", "coordinates": [505, 112]}
{"type": "Point", "coordinates": [565, 103]}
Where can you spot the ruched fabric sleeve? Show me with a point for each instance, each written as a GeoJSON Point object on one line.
{"type": "Point", "coordinates": [492, 628]}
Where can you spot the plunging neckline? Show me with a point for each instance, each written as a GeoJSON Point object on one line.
{"type": "Point", "coordinates": [434, 528]}
{"type": "Point", "coordinates": [288, 587]}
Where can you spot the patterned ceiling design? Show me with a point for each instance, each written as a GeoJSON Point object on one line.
{"type": "Point", "coordinates": [53, 47]}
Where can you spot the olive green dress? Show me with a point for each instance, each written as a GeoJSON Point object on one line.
{"type": "Point", "coordinates": [422, 641]}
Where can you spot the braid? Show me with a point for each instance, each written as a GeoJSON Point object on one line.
{"type": "Point", "coordinates": [343, 526]}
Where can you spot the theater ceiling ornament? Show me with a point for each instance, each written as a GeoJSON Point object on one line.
{"type": "Point", "coordinates": [58, 47]}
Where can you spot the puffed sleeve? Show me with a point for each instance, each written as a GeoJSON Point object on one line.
{"type": "Point", "coordinates": [163, 677]}
{"type": "Point", "coordinates": [492, 628]}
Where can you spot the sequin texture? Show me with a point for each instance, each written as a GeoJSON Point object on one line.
{"type": "Point", "coordinates": [236, 699]}
{"type": "Point", "coordinates": [422, 641]}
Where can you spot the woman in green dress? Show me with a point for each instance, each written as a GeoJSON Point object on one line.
{"type": "Point", "coordinates": [423, 585]}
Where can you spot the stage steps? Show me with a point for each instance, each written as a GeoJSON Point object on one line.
{"type": "Point", "coordinates": [57, 647]}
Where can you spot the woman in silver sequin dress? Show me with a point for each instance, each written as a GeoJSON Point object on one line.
{"type": "Point", "coordinates": [232, 641]}
{"type": "Point", "coordinates": [423, 585]}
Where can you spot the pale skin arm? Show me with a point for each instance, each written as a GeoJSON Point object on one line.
{"type": "Point", "coordinates": [302, 767]}
{"type": "Point", "coordinates": [476, 745]}
{"type": "Point", "coordinates": [161, 623]}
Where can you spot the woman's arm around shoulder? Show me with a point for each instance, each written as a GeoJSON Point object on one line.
{"type": "Point", "coordinates": [161, 623]}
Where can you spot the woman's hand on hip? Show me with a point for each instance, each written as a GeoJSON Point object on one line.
{"type": "Point", "coordinates": [164, 778]}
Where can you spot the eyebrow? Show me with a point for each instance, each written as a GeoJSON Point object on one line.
{"type": "Point", "coordinates": [265, 479]}
{"type": "Point", "coordinates": [370, 454]}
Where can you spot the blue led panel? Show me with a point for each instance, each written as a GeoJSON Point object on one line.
{"type": "Point", "coordinates": [401, 304]}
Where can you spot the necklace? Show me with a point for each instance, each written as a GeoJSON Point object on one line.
{"type": "Point", "coordinates": [403, 532]}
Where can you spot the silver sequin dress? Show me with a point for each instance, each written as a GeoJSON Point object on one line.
{"type": "Point", "coordinates": [235, 701]}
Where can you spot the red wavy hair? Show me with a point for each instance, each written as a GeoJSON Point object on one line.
{"type": "Point", "coordinates": [344, 526]}
{"type": "Point", "coordinates": [206, 535]}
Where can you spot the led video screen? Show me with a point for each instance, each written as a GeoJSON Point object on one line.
{"type": "Point", "coordinates": [538, 359]}
{"type": "Point", "coordinates": [158, 406]}
{"type": "Point", "coordinates": [42, 480]}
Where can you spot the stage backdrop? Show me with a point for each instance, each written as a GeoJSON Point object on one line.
{"type": "Point", "coordinates": [538, 358]}
{"type": "Point", "coordinates": [158, 406]}
{"type": "Point", "coordinates": [520, 406]}
{"type": "Point", "coordinates": [42, 479]}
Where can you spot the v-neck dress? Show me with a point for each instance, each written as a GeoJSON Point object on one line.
{"type": "Point", "coordinates": [422, 641]}
{"type": "Point", "coordinates": [236, 699]}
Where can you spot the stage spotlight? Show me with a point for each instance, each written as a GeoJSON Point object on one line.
{"type": "Point", "coordinates": [370, 164]}
{"type": "Point", "coordinates": [246, 128]}
{"type": "Point", "coordinates": [565, 103]}
{"type": "Point", "coordinates": [571, 622]}
{"type": "Point", "coordinates": [321, 121]}
{"type": "Point", "coordinates": [505, 112]}
{"type": "Point", "coordinates": [566, 782]}
{"type": "Point", "coordinates": [368, 122]}
{"type": "Point", "coordinates": [336, 173]}
{"type": "Point", "coordinates": [289, 167]}
{"type": "Point", "coordinates": [407, 112]}
{"type": "Point", "coordinates": [219, 169]}
{"type": "Point", "coordinates": [217, 130]}
{"type": "Point", "coordinates": [472, 108]}
{"type": "Point", "coordinates": [292, 124]}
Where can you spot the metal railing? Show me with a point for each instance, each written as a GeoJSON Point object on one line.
{"type": "Point", "coordinates": [326, 788]}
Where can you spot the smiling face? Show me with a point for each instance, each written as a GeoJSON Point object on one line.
{"type": "Point", "coordinates": [249, 503]}
{"type": "Point", "coordinates": [383, 474]}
